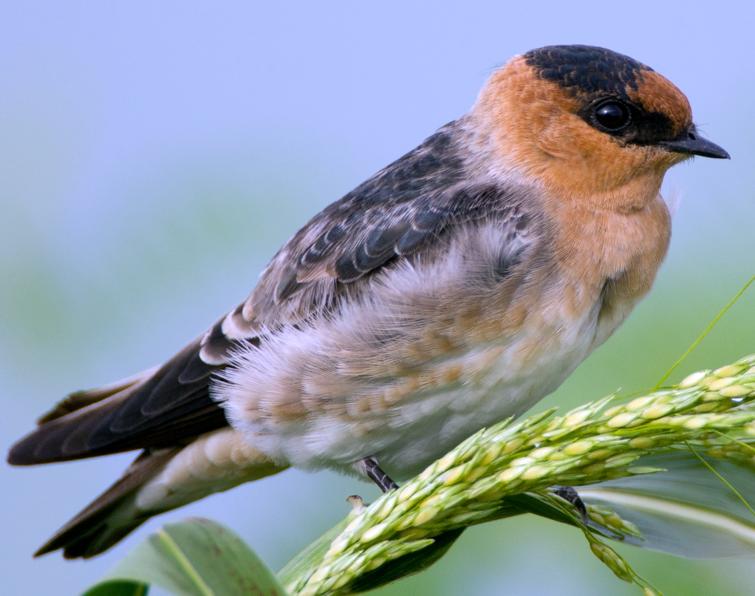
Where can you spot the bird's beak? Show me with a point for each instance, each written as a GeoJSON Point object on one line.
{"type": "Point", "coordinates": [692, 143]}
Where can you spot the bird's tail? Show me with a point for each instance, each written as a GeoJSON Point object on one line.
{"type": "Point", "coordinates": [44, 446]}
{"type": "Point", "coordinates": [158, 481]}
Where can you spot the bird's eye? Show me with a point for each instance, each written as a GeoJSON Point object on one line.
{"type": "Point", "coordinates": [612, 115]}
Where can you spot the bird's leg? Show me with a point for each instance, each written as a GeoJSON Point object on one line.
{"type": "Point", "coordinates": [370, 468]}
{"type": "Point", "coordinates": [569, 494]}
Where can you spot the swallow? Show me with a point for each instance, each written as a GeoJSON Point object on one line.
{"type": "Point", "coordinates": [456, 287]}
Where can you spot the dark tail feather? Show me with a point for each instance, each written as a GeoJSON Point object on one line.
{"type": "Point", "coordinates": [158, 408]}
{"type": "Point", "coordinates": [112, 515]}
{"type": "Point", "coordinates": [81, 399]}
{"type": "Point", "coordinates": [70, 416]}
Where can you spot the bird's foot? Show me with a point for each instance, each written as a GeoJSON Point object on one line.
{"type": "Point", "coordinates": [370, 468]}
{"type": "Point", "coordinates": [570, 495]}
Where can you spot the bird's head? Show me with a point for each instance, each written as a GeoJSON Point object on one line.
{"type": "Point", "coordinates": [589, 123]}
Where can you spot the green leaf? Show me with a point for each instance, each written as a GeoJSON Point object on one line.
{"type": "Point", "coordinates": [685, 509]}
{"type": "Point", "coordinates": [118, 587]}
{"type": "Point", "coordinates": [197, 557]}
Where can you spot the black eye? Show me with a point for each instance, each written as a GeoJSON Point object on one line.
{"type": "Point", "coordinates": [612, 115]}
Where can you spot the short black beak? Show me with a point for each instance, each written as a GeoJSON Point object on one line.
{"type": "Point", "coordinates": [693, 144]}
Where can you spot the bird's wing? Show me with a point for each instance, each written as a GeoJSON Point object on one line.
{"type": "Point", "coordinates": [400, 213]}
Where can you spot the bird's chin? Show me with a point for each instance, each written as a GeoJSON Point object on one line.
{"type": "Point", "coordinates": [677, 158]}
{"type": "Point", "coordinates": [667, 159]}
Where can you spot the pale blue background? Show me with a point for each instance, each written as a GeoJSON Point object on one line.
{"type": "Point", "coordinates": [154, 155]}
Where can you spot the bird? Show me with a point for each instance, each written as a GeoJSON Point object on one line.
{"type": "Point", "coordinates": [455, 288]}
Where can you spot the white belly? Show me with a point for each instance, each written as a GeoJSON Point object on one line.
{"type": "Point", "coordinates": [491, 382]}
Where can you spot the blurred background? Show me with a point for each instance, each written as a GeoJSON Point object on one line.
{"type": "Point", "coordinates": [153, 156]}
